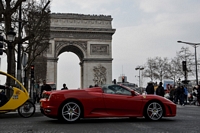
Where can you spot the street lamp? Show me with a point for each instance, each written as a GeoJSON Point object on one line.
{"type": "Point", "coordinates": [195, 47]}
{"type": "Point", "coordinates": [139, 68]}
{"type": "Point", "coordinates": [11, 35]}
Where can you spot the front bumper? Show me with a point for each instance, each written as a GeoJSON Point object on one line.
{"type": "Point", "coordinates": [170, 110]}
{"type": "Point", "coordinates": [47, 109]}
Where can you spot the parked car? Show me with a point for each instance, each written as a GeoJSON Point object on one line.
{"type": "Point", "coordinates": [105, 101]}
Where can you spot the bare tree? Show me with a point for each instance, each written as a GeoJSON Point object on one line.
{"type": "Point", "coordinates": [174, 69]}
{"type": "Point", "coordinates": [156, 68]}
{"type": "Point", "coordinates": [38, 23]}
{"type": "Point", "coordinates": [185, 55]}
{"type": "Point", "coordinates": [161, 71]}
{"type": "Point", "coordinates": [150, 68]}
{"type": "Point", "coordinates": [35, 17]}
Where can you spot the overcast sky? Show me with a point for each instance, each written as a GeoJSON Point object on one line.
{"type": "Point", "coordinates": [144, 29]}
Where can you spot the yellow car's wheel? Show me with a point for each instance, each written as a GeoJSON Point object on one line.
{"type": "Point", "coordinates": [27, 109]}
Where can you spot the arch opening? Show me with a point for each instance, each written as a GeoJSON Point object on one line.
{"type": "Point", "coordinates": [68, 70]}
{"type": "Point", "coordinates": [73, 49]}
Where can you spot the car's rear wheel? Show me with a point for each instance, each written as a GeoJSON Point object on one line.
{"type": "Point", "coordinates": [154, 111]}
{"type": "Point", "coordinates": [70, 111]}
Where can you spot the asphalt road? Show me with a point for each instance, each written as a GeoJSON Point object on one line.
{"type": "Point", "coordinates": [186, 121]}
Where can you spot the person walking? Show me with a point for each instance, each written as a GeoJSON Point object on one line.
{"type": "Point", "coordinates": [150, 88]}
{"type": "Point", "coordinates": [160, 90]}
{"type": "Point", "coordinates": [176, 95]}
{"type": "Point", "coordinates": [180, 95]}
{"type": "Point", "coordinates": [172, 94]}
{"type": "Point", "coordinates": [64, 87]}
{"type": "Point", "coordinates": [45, 87]}
{"type": "Point", "coordinates": [185, 95]}
{"type": "Point", "coordinates": [198, 95]}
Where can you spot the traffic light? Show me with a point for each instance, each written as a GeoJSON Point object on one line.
{"type": "Point", "coordinates": [32, 71]}
{"type": "Point", "coordinates": [1, 45]}
{"type": "Point", "coordinates": [184, 66]}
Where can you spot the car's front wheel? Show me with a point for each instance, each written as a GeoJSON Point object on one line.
{"type": "Point", "coordinates": [70, 111]}
{"type": "Point", "coordinates": [154, 111]}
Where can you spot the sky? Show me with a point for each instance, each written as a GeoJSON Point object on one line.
{"type": "Point", "coordinates": [144, 29]}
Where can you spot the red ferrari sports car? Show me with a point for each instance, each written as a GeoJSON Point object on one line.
{"type": "Point", "coordinates": [104, 101]}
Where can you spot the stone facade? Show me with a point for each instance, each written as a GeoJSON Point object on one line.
{"type": "Point", "coordinates": [90, 38]}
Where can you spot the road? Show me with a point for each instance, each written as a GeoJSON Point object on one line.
{"type": "Point", "coordinates": [186, 121]}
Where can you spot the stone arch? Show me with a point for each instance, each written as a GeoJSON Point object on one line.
{"type": "Point", "coordinates": [78, 48]}
{"type": "Point", "coordinates": [90, 38]}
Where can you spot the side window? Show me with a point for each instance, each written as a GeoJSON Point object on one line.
{"type": "Point", "coordinates": [108, 89]}
{"type": "Point", "coordinates": [122, 91]}
{"type": "Point", "coordinates": [116, 89]}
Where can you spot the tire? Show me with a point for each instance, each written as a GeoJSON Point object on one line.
{"type": "Point", "coordinates": [154, 111]}
{"type": "Point", "coordinates": [70, 112]}
{"type": "Point", "coordinates": [27, 109]}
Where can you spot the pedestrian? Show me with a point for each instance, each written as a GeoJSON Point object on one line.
{"type": "Point", "coordinates": [185, 94]}
{"type": "Point", "coordinates": [64, 87]}
{"type": "Point", "coordinates": [155, 87]}
{"type": "Point", "coordinates": [150, 88]}
{"type": "Point", "coordinates": [90, 86]}
{"type": "Point", "coordinates": [96, 85]}
{"type": "Point", "coordinates": [172, 94]}
{"type": "Point", "coordinates": [160, 90]}
{"type": "Point", "coordinates": [194, 95]}
{"type": "Point", "coordinates": [175, 95]}
{"type": "Point", "coordinates": [45, 87]}
{"type": "Point", "coordinates": [180, 95]}
{"type": "Point", "coordinates": [198, 95]}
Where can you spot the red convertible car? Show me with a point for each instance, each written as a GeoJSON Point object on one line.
{"type": "Point", "coordinates": [104, 101]}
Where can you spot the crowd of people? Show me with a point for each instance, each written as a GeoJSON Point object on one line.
{"type": "Point", "coordinates": [177, 94]}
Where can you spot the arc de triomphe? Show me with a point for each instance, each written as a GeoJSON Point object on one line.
{"type": "Point", "coordinates": [90, 38]}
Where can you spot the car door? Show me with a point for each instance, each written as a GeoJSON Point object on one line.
{"type": "Point", "coordinates": [119, 101]}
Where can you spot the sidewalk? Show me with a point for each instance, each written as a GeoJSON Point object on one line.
{"type": "Point", "coordinates": [15, 113]}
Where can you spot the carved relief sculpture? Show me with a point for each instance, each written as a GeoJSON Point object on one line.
{"type": "Point", "coordinates": [99, 49]}
{"type": "Point", "coordinates": [99, 75]}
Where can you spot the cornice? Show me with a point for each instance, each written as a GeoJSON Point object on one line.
{"type": "Point", "coordinates": [76, 29]}
{"type": "Point", "coordinates": [97, 59]}
{"type": "Point", "coordinates": [80, 16]}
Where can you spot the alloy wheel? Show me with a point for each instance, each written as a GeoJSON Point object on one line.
{"type": "Point", "coordinates": [154, 111]}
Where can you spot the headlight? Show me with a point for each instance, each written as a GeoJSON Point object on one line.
{"type": "Point", "coordinates": [45, 95]}
{"type": "Point", "coordinates": [49, 97]}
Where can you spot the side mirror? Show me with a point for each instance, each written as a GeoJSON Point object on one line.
{"type": "Point", "coordinates": [133, 93]}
